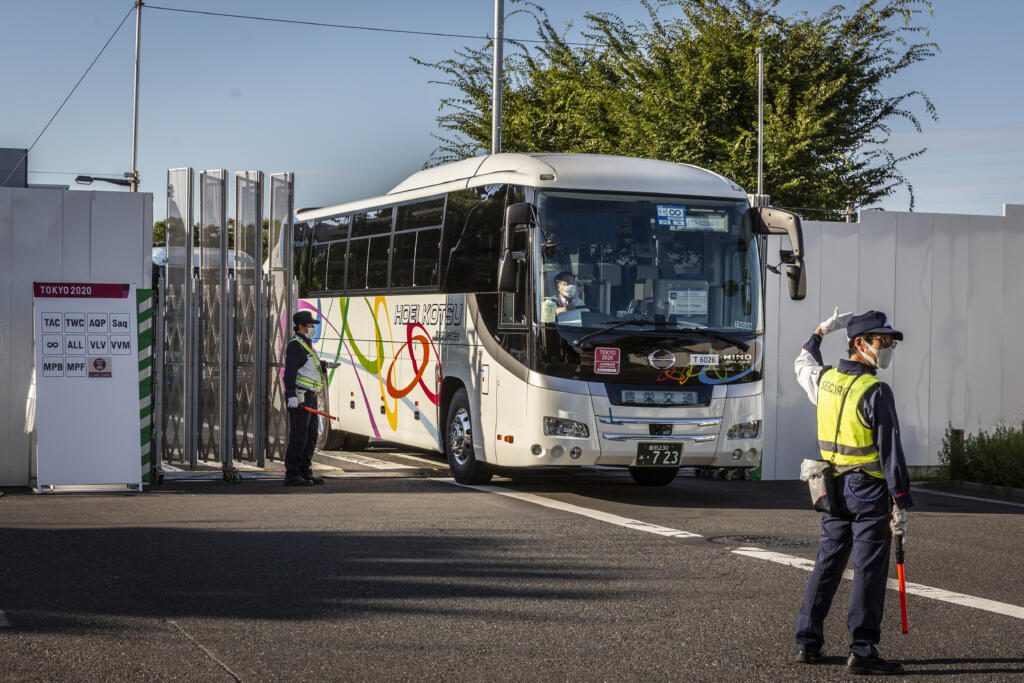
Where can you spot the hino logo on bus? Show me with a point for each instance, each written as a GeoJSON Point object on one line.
{"type": "Point", "coordinates": [661, 359]}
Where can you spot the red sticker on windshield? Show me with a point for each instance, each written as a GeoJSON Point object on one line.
{"type": "Point", "coordinates": [606, 360]}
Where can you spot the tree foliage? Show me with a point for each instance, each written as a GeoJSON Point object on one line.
{"type": "Point", "coordinates": [682, 86]}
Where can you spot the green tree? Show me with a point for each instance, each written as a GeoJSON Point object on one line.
{"type": "Point", "coordinates": [159, 233]}
{"type": "Point", "coordinates": [682, 86]}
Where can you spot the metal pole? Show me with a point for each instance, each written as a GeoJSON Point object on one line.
{"type": "Point", "coordinates": [499, 40]}
{"type": "Point", "coordinates": [135, 123]}
{"type": "Point", "coordinates": [760, 121]}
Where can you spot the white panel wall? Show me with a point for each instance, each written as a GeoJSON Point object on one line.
{"type": "Point", "coordinates": [948, 376]}
{"type": "Point", "coordinates": [7, 331]}
{"type": "Point", "coordinates": [912, 308]}
{"type": "Point", "coordinates": [57, 235]}
{"type": "Point", "coordinates": [1013, 322]}
{"type": "Point", "coordinates": [952, 284]}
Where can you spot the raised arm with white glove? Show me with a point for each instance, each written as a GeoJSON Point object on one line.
{"type": "Point", "coordinates": [837, 321]}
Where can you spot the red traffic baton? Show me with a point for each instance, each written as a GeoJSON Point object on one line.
{"type": "Point", "coordinates": [331, 417]}
{"type": "Point", "coordinates": [903, 582]}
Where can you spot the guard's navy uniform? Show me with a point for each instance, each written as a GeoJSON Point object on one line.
{"type": "Point", "coordinates": [860, 526]}
{"type": "Point", "coordinates": [303, 377]}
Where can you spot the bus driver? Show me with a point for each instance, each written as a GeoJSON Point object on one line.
{"type": "Point", "coordinates": [566, 299]}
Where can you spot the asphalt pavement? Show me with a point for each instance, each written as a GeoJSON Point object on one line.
{"type": "Point", "coordinates": [390, 571]}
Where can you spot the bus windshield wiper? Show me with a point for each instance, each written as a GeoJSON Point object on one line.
{"type": "Point", "coordinates": [735, 341]}
{"type": "Point", "coordinates": [578, 342]}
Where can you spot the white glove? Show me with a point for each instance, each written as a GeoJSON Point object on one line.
{"type": "Point", "coordinates": [837, 321]}
{"type": "Point", "coordinates": [293, 402]}
{"type": "Point", "coordinates": [898, 523]}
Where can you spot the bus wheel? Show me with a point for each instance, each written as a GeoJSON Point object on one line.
{"type": "Point", "coordinates": [653, 476]}
{"type": "Point", "coordinates": [329, 439]}
{"type": "Point", "coordinates": [354, 442]}
{"type": "Point", "coordinates": [458, 444]}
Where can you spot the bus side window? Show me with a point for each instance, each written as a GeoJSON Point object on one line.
{"type": "Point", "coordinates": [301, 232]}
{"type": "Point", "coordinates": [472, 238]}
{"type": "Point", "coordinates": [428, 243]}
{"type": "Point", "coordinates": [336, 258]}
{"type": "Point", "coordinates": [356, 274]}
{"type": "Point", "coordinates": [318, 269]}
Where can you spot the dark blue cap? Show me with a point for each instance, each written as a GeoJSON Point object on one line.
{"type": "Point", "coordinates": [872, 322]}
{"type": "Point", "coordinates": [304, 317]}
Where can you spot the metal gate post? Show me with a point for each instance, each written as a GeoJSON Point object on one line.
{"type": "Point", "coordinates": [156, 469]}
{"type": "Point", "coordinates": [280, 298]}
{"type": "Point", "coordinates": [227, 376]}
{"type": "Point", "coordinates": [193, 361]}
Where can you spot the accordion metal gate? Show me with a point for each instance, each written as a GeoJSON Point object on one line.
{"type": "Point", "coordinates": [223, 306]}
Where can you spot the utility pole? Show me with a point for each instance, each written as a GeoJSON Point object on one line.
{"type": "Point", "coordinates": [135, 123]}
{"type": "Point", "coordinates": [760, 199]}
{"type": "Point", "coordinates": [499, 40]}
{"type": "Point", "coordinates": [760, 121]}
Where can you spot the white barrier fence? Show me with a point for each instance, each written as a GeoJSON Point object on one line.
{"type": "Point", "coordinates": [953, 284]}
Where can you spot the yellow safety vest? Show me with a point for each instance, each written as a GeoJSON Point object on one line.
{"type": "Point", "coordinates": [842, 438]}
{"type": "Point", "coordinates": [305, 381]}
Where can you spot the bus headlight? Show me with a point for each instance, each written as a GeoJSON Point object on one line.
{"type": "Point", "coordinates": [744, 430]}
{"type": "Point", "coordinates": [560, 426]}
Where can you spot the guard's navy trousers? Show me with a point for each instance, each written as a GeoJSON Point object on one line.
{"type": "Point", "coordinates": [860, 525]}
{"type": "Point", "coordinates": [303, 429]}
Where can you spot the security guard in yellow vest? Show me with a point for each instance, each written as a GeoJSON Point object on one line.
{"type": "Point", "coordinates": [303, 378]}
{"type": "Point", "coordinates": [857, 429]}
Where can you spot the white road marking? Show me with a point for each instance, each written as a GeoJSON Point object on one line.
{"type": "Point", "coordinates": [435, 464]}
{"type": "Point", "coordinates": [960, 495]}
{"type": "Point", "coordinates": [3, 620]}
{"type": "Point", "coordinates": [367, 461]}
{"type": "Point", "coordinates": [758, 553]}
{"type": "Point", "coordinates": [634, 524]}
{"type": "Point", "coordinates": [912, 588]}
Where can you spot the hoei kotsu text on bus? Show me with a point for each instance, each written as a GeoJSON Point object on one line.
{"type": "Point", "coordinates": [540, 310]}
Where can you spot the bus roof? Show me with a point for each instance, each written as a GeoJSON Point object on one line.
{"type": "Point", "coordinates": [556, 171]}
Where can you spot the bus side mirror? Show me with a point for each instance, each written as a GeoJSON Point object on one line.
{"type": "Point", "coordinates": [515, 215]}
{"type": "Point", "coordinates": [507, 274]}
{"type": "Point", "coordinates": [796, 277]}
{"type": "Point", "coordinates": [768, 220]}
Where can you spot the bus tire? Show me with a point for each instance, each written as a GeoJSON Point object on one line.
{"type": "Point", "coordinates": [653, 476]}
{"type": "Point", "coordinates": [354, 442]}
{"type": "Point", "coordinates": [329, 439]}
{"type": "Point", "coordinates": [458, 443]}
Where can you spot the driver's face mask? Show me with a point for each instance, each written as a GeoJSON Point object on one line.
{"type": "Point", "coordinates": [568, 290]}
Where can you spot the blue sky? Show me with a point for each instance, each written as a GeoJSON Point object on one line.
{"type": "Point", "coordinates": [352, 115]}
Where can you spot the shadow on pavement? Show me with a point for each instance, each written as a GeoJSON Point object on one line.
{"type": "Point", "coordinates": [62, 580]}
{"type": "Point", "coordinates": [965, 664]}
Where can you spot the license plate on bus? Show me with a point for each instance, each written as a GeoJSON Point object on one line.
{"type": "Point", "coordinates": [659, 398]}
{"type": "Point", "coordinates": [659, 454]}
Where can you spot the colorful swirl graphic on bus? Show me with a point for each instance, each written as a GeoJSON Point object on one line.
{"type": "Point", "coordinates": [709, 374]}
{"type": "Point", "coordinates": [413, 348]}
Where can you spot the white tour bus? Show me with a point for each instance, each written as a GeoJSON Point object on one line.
{"type": "Point", "coordinates": [440, 302]}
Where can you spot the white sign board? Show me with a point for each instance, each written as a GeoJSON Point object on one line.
{"type": "Point", "coordinates": [87, 386]}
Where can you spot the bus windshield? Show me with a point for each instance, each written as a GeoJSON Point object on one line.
{"type": "Point", "coordinates": [679, 262]}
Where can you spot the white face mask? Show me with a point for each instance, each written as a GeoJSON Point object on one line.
{"type": "Point", "coordinates": [882, 360]}
{"type": "Point", "coordinates": [569, 291]}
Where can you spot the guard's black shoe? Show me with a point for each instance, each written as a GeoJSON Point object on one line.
{"type": "Point", "coordinates": [313, 478]}
{"type": "Point", "coordinates": [296, 480]}
{"type": "Point", "coordinates": [809, 656]}
{"type": "Point", "coordinates": [873, 665]}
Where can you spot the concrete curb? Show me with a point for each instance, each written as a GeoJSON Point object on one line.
{"type": "Point", "coordinates": [973, 489]}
